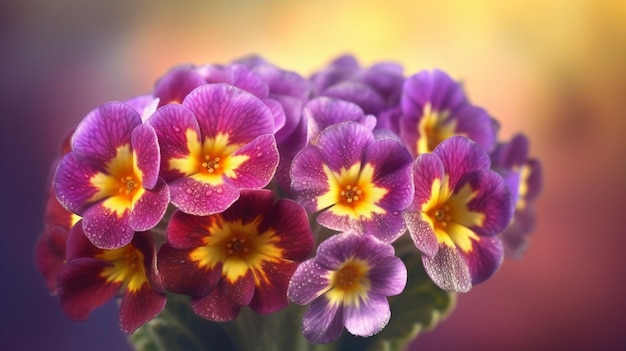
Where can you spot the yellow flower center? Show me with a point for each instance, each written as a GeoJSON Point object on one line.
{"type": "Point", "coordinates": [349, 284]}
{"type": "Point", "coordinates": [127, 267]}
{"type": "Point", "coordinates": [434, 127]}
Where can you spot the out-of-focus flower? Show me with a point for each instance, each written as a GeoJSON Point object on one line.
{"type": "Point", "coordinates": [92, 276]}
{"type": "Point", "coordinates": [218, 141]}
{"type": "Point", "coordinates": [347, 283]}
{"type": "Point", "coordinates": [435, 107]}
{"type": "Point", "coordinates": [323, 112]}
{"type": "Point", "coordinates": [244, 256]}
{"type": "Point", "coordinates": [355, 181]}
{"type": "Point", "coordinates": [459, 208]}
{"type": "Point", "coordinates": [111, 176]}
{"type": "Point", "coordinates": [374, 89]}
{"type": "Point", "coordinates": [523, 176]}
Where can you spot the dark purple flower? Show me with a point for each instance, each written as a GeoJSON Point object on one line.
{"type": "Point", "coordinates": [355, 181]}
{"type": "Point", "coordinates": [347, 284]}
{"type": "Point", "coordinates": [434, 108]}
{"type": "Point", "coordinates": [460, 206]}
{"type": "Point", "coordinates": [220, 140]}
{"type": "Point", "coordinates": [111, 176]}
{"type": "Point", "coordinates": [523, 176]}
{"type": "Point", "coordinates": [243, 256]}
{"type": "Point", "coordinates": [93, 276]}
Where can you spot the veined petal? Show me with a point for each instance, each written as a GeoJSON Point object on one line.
{"type": "Point", "coordinates": [224, 303]}
{"type": "Point", "coordinates": [388, 277]}
{"type": "Point", "coordinates": [104, 130]}
{"type": "Point", "coordinates": [367, 321]}
{"type": "Point", "coordinates": [82, 288]}
{"type": "Point", "coordinates": [181, 275]}
{"type": "Point", "coordinates": [484, 259]}
{"type": "Point", "coordinates": [106, 229]}
{"type": "Point", "coordinates": [146, 155]}
{"type": "Point", "coordinates": [475, 123]}
{"type": "Point", "coordinates": [178, 134]}
{"type": "Point", "coordinates": [492, 199]}
{"type": "Point", "coordinates": [269, 296]}
{"type": "Point", "coordinates": [448, 269]}
{"type": "Point", "coordinates": [150, 207]}
{"type": "Point", "coordinates": [309, 281]}
{"type": "Point", "coordinates": [72, 182]}
{"type": "Point", "coordinates": [222, 108]}
{"type": "Point", "coordinates": [185, 231]}
{"type": "Point", "coordinates": [337, 249]}
{"type": "Point", "coordinates": [421, 232]}
{"type": "Point", "coordinates": [294, 229]}
{"type": "Point", "coordinates": [460, 155]}
{"type": "Point", "coordinates": [322, 321]}
{"type": "Point", "coordinates": [324, 111]}
{"type": "Point", "coordinates": [342, 144]}
{"type": "Point", "coordinates": [139, 307]}
{"type": "Point", "coordinates": [260, 164]}
{"type": "Point", "coordinates": [308, 179]}
{"type": "Point", "coordinates": [199, 198]}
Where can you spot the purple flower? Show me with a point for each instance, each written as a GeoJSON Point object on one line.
{"type": "Point", "coordinates": [374, 89]}
{"type": "Point", "coordinates": [460, 206]}
{"type": "Point", "coordinates": [523, 176]}
{"type": "Point", "coordinates": [93, 276]}
{"type": "Point", "coordinates": [243, 256]}
{"type": "Point", "coordinates": [111, 176]}
{"type": "Point", "coordinates": [355, 181]}
{"type": "Point", "coordinates": [220, 140]}
{"type": "Point", "coordinates": [347, 284]}
{"type": "Point", "coordinates": [434, 108]}
{"type": "Point", "coordinates": [323, 112]}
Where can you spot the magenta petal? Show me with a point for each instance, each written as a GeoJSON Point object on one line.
{"type": "Point", "coordinates": [308, 180]}
{"type": "Point", "coordinates": [82, 289]}
{"type": "Point", "coordinates": [291, 223]}
{"type": "Point", "coordinates": [105, 229]}
{"type": "Point", "coordinates": [461, 155]}
{"type": "Point", "coordinates": [78, 245]}
{"type": "Point", "coordinates": [186, 231]}
{"type": "Point", "coordinates": [271, 296]}
{"type": "Point", "coordinates": [150, 207]}
{"type": "Point", "coordinates": [176, 84]}
{"type": "Point", "coordinates": [342, 144]}
{"type": "Point", "coordinates": [369, 317]}
{"type": "Point", "coordinates": [146, 152]}
{"type": "Point", "coordinates": [182, 276]}
{"type": "Point", "coordinates": [138, 308]}
{"type": "Point", "coordinates": [322, 321]}
{"type": "Point", "coordinates": [484, 259]}
{"type": "Point", "coordinates": [105, 129]}
{"type": "Point", "coordinates": [172, 124]}
{"type": "Point", "coordinates": [257, 171]}
{"type": "Point", "coordinates": [448, 270]}
{"type": "Point", "coordinates": [308, 282]}
{"type": "Point", "coordinates": [224, 303]}
{"type": "Point", "coordinates": [222, 108]}
{"type": "Point", "coordinates": [201, 199]}
{"type": "Point", "coordinates": [337, 249]}
{"type": "Point", "coordinates": [73, 189]}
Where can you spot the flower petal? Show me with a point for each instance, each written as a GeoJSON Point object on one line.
{"type": "Point", "coordinates": [82, 289]}
{"type": "Point", "coordinates": [72, 183]}
{"type": "Point", "coordinates": [147, 155]}
{"type": "Point", "coordinates": [369, 317]}
{"type": "Point", "coordinates": [224, 303]}
{"type": "Point", "coordinates": [148, 210]}
{"type": "Point", "coordinates": [139, 307]}
{"type": "Point", "coordinates": [448, 269]}
{"type": "Point", "coordinates": [105, 229]}
{"type": "Point", "coordinates": [270, 296]}
{"type": "Point", "coordinates": [181, 275]}
{"type": "Point", "coordinates": [308, 282]}
{"type": "Point", "coordinates": [105, 129]}
{"type": "Point", "coordinates": [484, 259]}
{"type": "Point", "coordinates": [322, 321]}
{"type": "Point", "coordinates": [259, 169]}
{"type": "Point", "coordinates": [198, 198]}
{"type": "Point", "coordinates": [388, 276]}
{"type": "Point", "coordinates": [342, 144]}
{"type": "Point", "coordinates": [176, 84]}
{"type": "Point", "coordinates": [461, 155]}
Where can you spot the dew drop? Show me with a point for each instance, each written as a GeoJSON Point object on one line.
{"type": "Point", "coordinates": [176, 129]}
{"type": "Point", "coordinates": [188, 191]}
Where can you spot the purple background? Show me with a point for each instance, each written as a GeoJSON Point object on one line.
{"type": "Point", "coordinates": [554, 70]}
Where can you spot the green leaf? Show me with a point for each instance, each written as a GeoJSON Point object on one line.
{"type": "Point", "coordinates": [178, 328]}
{"type": "Point", "coordinates": [420, 307]}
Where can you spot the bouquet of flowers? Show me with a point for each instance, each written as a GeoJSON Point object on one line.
{"type": "Point", "coordinates": [242, 206]}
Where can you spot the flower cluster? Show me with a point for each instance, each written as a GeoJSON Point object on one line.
{"type": "Point", "coordinates": [247, 185]}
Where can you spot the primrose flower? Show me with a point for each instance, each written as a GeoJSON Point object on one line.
{"type": "Point", "coordinates": [460, 206]}
{"type": "Point", "coordinates": [111, 176]}
{"type": "Point", "coordinates": [92, 276]}
{"type": "Point", "coordinates": [323, 112]}
{"type": "Point", "coordinates": [374, 89]}
{"type": "Point", "coordinates": [243, 256]}
{"type": "Point", "coordinates": [434, 108]}
{"type": "Point", "coordinates": [347, 283]}
{"type": "Point", "coordinates": [355, 181]}
{"type": "Point", "coordinates": [218, 141]}
{"type": "Point", "coordinates": [523, 176]}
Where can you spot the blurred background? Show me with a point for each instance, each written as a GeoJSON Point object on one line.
{"type": "Point", "coordinates": [554, 70]}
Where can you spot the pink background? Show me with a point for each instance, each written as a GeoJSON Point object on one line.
{"type": "Point", "coordinates": [554, 70]}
